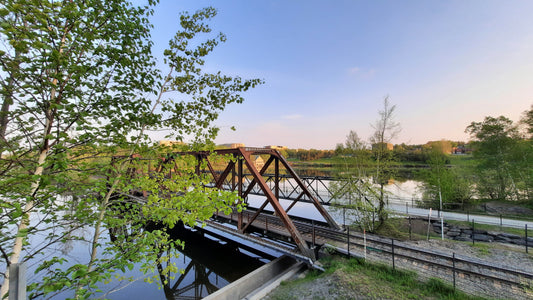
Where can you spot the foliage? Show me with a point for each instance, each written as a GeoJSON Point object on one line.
{"type": "Point", "coordinates": [308, 154]}
{"type": "Point", "coordinates": [385, 129]}
{"type": "Point", "coordinates": [365, 197]}
{"type": "Point", "coordinates": [504, 159]}
{"type": "Point", "coordinates": [354, 193]}
{"type": "Point", "coordinates": [443, 187]}
{"type": "Point", "coordinates": [527, 122]}
{"type": "Point", "coordinates": [79, 86]}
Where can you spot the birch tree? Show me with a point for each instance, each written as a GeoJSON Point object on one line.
{"type": "Point", "coordinates": [79, 85]}
{"type": "Point", "coordinates": [385, 130]}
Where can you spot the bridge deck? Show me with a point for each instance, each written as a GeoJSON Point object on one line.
{"type": "Point", "coordinates": [268, 224]}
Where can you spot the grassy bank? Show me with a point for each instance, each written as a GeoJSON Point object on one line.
{"type": "Point", "coordinates": [356, 279]}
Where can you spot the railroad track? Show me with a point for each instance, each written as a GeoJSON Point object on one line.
{"type": "Point", "coordinates": [450, 267]}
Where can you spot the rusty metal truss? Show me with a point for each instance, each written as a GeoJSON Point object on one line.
{"type": "Point", "coordinates": [233, 175]}
{"type": "Point", "coordinates": [241, 174]}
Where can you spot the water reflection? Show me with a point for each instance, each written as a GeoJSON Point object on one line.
{"type": "Point", "coordinates": [208, 265]}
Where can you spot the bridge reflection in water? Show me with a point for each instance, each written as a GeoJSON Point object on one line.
{"type": "Point", "coordinates": [209, 264]}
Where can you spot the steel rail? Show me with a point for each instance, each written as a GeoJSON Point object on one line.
{"type": "Point", "coordinates": [411, 253]}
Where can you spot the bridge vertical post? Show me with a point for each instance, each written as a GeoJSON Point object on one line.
{"type": "Point", "coordinates": [276, 177]}
{"type": "Point", "coordinates": [199, 159]}
{"type": "Point", "coordinates": [240, 189]}
{"type": "Point", "coordinates": [233, 178]}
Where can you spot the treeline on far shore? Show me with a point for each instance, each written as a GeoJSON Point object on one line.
{"type": "Point", "coordinates": [401, 152]}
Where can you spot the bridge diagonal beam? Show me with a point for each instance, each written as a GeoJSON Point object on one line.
{"type": "Point", "coordinates": [224, 174]}
{"type": "Point", "coordinates": [327, 190]}
{"type": "Point", "coordinates": [254, 181]}
{"type": "Point", "coordinates": [211, 169]}
{"type": "Point", "coordinates": [317, 204]}
{"type": "Point", "coordinates": [182, 276]}
{"type": "Point", "coordinates": [294, 189]}
{"type": "Point", "coordinates": [310, 185]}
{"type": "Point", "coordinates": [289, 225]}
{"type": "Point", "coordinates": [294, 202]}
{"type": "Point", "coordinates": [255, 215]}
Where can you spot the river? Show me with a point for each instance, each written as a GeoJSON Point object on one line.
{"type": "Point", "coordinates": [208, 262]}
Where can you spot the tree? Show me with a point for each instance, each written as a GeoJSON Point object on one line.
{"type": "Point", "coordinates": [364, 197]}
{"type": "Point", "coordinates": [527, 122]}
{"type": "Point", "coordinates": [353, 142]}
{"type": "Point", "coordinates": [443, 185]}
{"type": "Point", "coordinates": [385, 130]}
{"type": "Point", "coordinates": [79, 85]}
{"type": "Point", "coordinates": [501, 166]}
{"type": "Point", "coordinates": [354, 193]}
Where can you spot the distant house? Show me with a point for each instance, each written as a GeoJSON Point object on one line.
{"type": "Point", "coordinates": [442, 145]}
{"type": "Point", "coordinates": [461, 149]}
{"type": "Point", "coordinates": [276, 147]}
{"type": "Point", "coordinates": [259, 162]}
{"type": "Point", "coordinates": [387, 146]}
{"type": "Point", "coordinates": [231, 145]}
{"type": "Point", "coordinates": [167, 143]}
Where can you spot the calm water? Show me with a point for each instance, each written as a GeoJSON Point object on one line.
{"type": "Point", "coordinates": [208, 263]}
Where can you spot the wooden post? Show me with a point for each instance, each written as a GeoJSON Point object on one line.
{"type": "Point", "coordinates": [17, 282]}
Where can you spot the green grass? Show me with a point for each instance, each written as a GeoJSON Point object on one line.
{"type": "Point", "coordinates": [482, 248]}
{"type": "Point", "coordinates": [360, 279]}
{"type": "Point", "coordinates": [467, 161]}
{"type": "Point", "coordinates": [398, 284]}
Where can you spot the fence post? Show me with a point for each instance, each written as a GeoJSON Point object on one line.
{"type": "Point", "coordinates": [17, 282]}
{"type": "Point", "coordinates": [364, 241]}
{"type": "Point", "coordinates": [429, 223]}
{"type": "Point", "coordinates": [410, 228]}
{"type": "Point", "coordinates": [313, 223]}
{"type": "Point", "coordinates": [373, 218]}
{"type": "Point", "coordinates": [473, 232]}
{"type": "Point", "coordinates": [526, 241]}
{"type": "Point", "coordinates": [392, 246]}
{"type": "Point", "coordinates": [344, 216]}
{"type": "Point", "coordinates": [348, 236]}
{"type": "Point", "coordinates": [406, 208]}
{"type": "Point", "coordinates": [453, 270]}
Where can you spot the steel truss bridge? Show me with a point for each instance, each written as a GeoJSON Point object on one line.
{"type": "Point", "coordinates": [240, 174]}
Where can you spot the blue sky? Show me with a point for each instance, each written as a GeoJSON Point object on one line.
{"type": "Point", "coordinates": [328, 65]}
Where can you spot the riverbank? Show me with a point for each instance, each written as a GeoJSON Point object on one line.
{"type": "Point", "coordinates": [354, 279]}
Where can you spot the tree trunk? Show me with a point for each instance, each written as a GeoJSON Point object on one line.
{"type": "Point", "coordinates": [25, 221]}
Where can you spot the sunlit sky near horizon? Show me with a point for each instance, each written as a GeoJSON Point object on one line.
{"type": "Point", "coordinates": [327, 66]}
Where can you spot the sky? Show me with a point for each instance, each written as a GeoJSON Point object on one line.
{"type": "Point", "coordinates": [328, 65]}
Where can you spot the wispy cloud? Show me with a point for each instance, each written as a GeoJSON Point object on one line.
{"type": "Point", "coordinates": [354, 70]}
{"type": "Point", "coordinates": [292, 117]}
{"type": "Point", "coordinates": [363, 73]}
